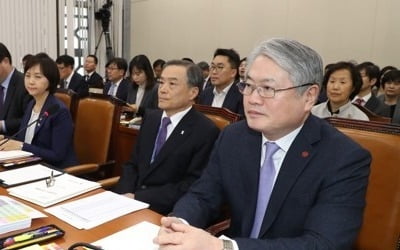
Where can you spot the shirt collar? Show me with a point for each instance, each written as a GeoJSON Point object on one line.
{"type": "Point", "coordinates": [224, 91]}
{"type": "Point", "coordinates": [177, 117]}
{"type": "Point", "coordinates": [364, 98]}
{"type": "Point", "coordinates": [285, 141]}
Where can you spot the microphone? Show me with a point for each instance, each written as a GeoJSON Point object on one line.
{"type": "Point", "coordinates": [50, 111]}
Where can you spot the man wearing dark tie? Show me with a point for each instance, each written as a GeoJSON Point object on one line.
{"type": "Point", "coordinates": [290, 180]}
{"type": "Point", "coordinates": [116, 85]}
{"type": "Point", "coordinates": [224, 76]}
{"type": "Point", "coordinates": [174, 142]}
{"type": "Point", "coordinates": [13, 96]}
{"type": "Point", "coordinates": [91, 77]}
{"type": "Point", "coordinates": [69, 78]}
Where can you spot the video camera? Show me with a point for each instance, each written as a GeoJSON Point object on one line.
{"type": "Point", "coordinates": [104, 15]}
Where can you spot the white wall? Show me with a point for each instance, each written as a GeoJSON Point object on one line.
{"type": "Point", "coordinates": [339, 30]}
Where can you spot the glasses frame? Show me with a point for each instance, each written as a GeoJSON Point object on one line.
{"type": "Point", "coordinates": [242, 85]}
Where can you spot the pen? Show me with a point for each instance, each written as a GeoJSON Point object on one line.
{"type": "Point", "coordinates": [32, 241]}
{"type": "Point", "coordinates": [28, 235]}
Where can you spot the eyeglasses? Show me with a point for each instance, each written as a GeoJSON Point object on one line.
{"type": "Point", "coordinates": [264, 91]}
{"type": "Point", "coordinates": [217, 68]}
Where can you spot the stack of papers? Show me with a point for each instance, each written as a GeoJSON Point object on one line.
{"type": "Point", "coordinates": [65, 186]}
{"type": "Point", "coordinates": [139, 236]}
{"type": "Point", "coordinates": [27, 174]}
{"type": "Point", "coordinates": [15, 215]}
{"type": "Point", "coordinates": [97, 209]}
{"type": "Point", "coordinates": [13, 154]}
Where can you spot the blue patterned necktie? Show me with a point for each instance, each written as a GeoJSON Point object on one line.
{"type": "Point", "coordinates": [161, 136]}
{"type": "Point", "coordinates": [265, 186]}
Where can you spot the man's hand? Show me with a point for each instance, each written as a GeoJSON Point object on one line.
{"type": "Point", "coordinates": [175, 235]}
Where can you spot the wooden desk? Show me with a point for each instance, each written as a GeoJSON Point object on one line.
{"type": "Point", "coordinates": [73, 235]}
{"type": "Point", "coordinates": [123, 142]}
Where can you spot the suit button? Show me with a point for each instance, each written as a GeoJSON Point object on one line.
{"type": "Point", "coordinates": [143, 187]}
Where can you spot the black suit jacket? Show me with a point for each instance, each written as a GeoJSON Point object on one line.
{"type": "Point", "coordinates": [179, 162]}
{"type": "Point", "coordinates": [77, 84]}
{"type": "Point", "coordinates": [233, 99]}
{"type": "Point", "coordinates": [95, 81]}
{"type": "Point", "coordinates": [17, 98]}
{"type": "Point", "coordinates": [396, 113]}
{"type": "Point", "coordinates": [149, 101]}
{"type": "Point", "coordinates": [377, 106]}
{"type": "Point", "coordinates": [122, 91]}
{"type": "Point", "coordinates": [317, 201]}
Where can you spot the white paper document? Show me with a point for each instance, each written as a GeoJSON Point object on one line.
{"type": "Point", "coordinates": [26, 174]}
{"type": "Point", "coordinates": [139, 236]}
{"type": "Point", "coordinates": [97, 209]}
{"type": "Point", "coordinates": [65, 186]}
{"type": "Point", "coordinates": [13, 154]}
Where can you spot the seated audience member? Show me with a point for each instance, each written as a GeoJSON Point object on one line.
{"type": "Point", "coordinates": [69, 78]}
{"type": "Point", "coordinates": [157, 68]}
{"type": "Point", "coordinates": [160, 173]}
{"type": "Point", "coordinates": [391, 97]}
{"type": "Point", "coordinates": [205, 68]}
{"type": "Point", "coordinates": [369, 75]}
{"type": "Point", "coordinates": [242, 69]}
{"type": "Point", "coordinates": [13, 96]}
{"type": "Point", "coordinates": [142, 93]}
{"type": "Point", "coordinates": [116, 85]}
{"type": "Point", "coordinates": [51, 137]}
{"type": "Point", "coordinates": [378, 89]}
{"type": "Point", "coordinates": [304, 192]}
{"type": "Point", "coordinates": [342, 83]}
{"type": "Point", "coordinates": [224, 75]}
{"type": "Point", "coordinates": [91, 77]}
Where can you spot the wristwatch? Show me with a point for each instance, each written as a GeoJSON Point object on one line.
{"type": "Point", "coordinates": [227, 245]}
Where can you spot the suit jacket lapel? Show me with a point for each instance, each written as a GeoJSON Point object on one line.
{"type": "Point", "coordinates": [42, 119]}
{"type": "Point", "coordinates": [296, 159]}
{"type": "Point", "coordinates": [10, 94]}
{"type": "Point", "coordinates": [181, 132]}
{"type": "Point", "coordinates": [250, 175]}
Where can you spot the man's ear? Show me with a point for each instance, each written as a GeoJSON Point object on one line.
{"type": "Point", "coordinates": [194, 92]}
{"type": "Point", "coordinates": [373, 81]}
{"type": "Point", "coordinates": [311, 96]}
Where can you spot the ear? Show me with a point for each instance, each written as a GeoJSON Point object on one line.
{"type": "Point", "coordinates": [234, 73]}
{"type": "Point", "coordinates": [193, 93]}
{"type": "Point", "coordinates": [373, 81]}
{"type": "Point", "coordinates": [311, 96]}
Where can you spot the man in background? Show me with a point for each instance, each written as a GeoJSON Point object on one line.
{"type": "Point", "coordinates": [117, 85]}
{"type": "Point", "coordinates": [13, 95]}
{"type": "Point", "coordinates": [173, 144]}
{"type": "Point", "coordinates": [69, 79]}
{"type": "Point", "coordinates": [369, 74]}
{"type": "Point", "coordinates": [224, 77]}
{"type": "Point", "coordinates": [287, 182]}
{"type": "Point", "coordinates": [157, 68]}
{"type": "Point", "coordinates": [91, 77]}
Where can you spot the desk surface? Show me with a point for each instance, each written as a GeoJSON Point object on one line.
{"type": "Point", "coordinates": [73, 235]}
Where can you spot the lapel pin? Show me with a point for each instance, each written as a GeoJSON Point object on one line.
{"type": "Point", "coordinates": [305, 154]}
{"type": "Point", "coordinates": [182, 132]}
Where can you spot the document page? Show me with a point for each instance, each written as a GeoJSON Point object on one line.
{"type": "Point", "coordinates": [26, 174]}
{"type": "Point", "coordinates": [13, 154]}
{"type": "Point", "coordinates": [97, 209]}
{"type": "Point", "coordinates": [139, 236]}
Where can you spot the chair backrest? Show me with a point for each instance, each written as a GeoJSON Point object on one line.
{"type": "Point", "coordinates": [381, 225]}
{"type": "Point", "coordinates": [222, 117]}
{"type": "Point", "coordinates": [69, 98]}
{"type": "Point", "coordinates": [372, 116]}
{"type": "Point", "coordinates": [94, 123]}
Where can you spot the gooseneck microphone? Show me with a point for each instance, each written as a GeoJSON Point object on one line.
{"type": "Point", "coordinates": [50, 111]}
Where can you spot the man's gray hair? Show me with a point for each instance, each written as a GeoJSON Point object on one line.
{"type": "Point", "coordinates": [303, 64]}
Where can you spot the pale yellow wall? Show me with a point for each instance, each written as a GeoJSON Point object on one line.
{"type": "Point", "coordinates": [338, 29]}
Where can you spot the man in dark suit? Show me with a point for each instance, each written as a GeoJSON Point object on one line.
{"type": "Point", "coordinates": [308, 193]}
{"type": "Point", "coordinates": [91, 77]}
{"type": "Point", "coordinates": [13, 96]}
{"type": "Point", "coordinates": [69, 78]}
{"type": "Point", "coordinates": [369, 73]}
{"type": "Point", "coordinates": [160, 175]}
{"type": "Point", "coordinates": [223, 75]}
{"type": "Point", "coordinates": [117, 86]}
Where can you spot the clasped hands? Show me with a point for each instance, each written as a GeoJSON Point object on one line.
{"type": "Point", "coordinates": [176, 235]}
